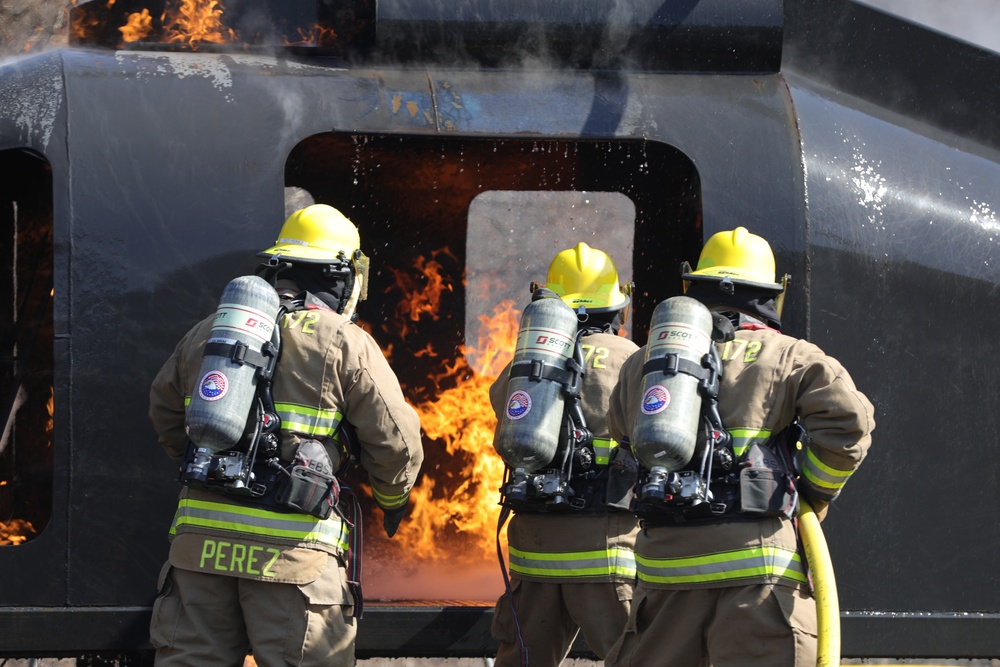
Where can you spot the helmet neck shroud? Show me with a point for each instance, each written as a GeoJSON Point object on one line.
{"type": "Point", "coordinates": [333, 284]}
{"type": "Point", "coordinates": [754, 301]}
{"type": "Point", "coordinates": [601, 322]}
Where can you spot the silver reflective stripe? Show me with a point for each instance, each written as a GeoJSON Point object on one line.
{"type": "Point", "coordinates": [616, 561]}
{"type": "Point", "coordinates": [727, 566]}
{"type": "Point", "coordinates": [743, 438]}
{"type": "Point", "coordinates": [256, 521]}
{"type": "Point", "coordinates": [309, 420]}
{"type": "Point", "coordinates": [823, 476]}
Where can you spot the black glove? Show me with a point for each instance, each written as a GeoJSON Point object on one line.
{"type": "Point", "coordinates": [391, 519]}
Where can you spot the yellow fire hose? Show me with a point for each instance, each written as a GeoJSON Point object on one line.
{"type": "Point", "coordinates": [824, 586]}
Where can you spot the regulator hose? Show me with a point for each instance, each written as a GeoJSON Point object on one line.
{"type": "Point", "coordinates": [824, 586]}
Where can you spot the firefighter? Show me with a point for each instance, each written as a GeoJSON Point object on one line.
{"type": "Point", "coordinates": [251, 574]}
{"type": "Point", "coordinates": [732, 589]}
{"type": "Point", "coordinates": [574, 569]}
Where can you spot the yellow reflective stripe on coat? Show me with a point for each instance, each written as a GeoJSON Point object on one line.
{"type": "Point", "coordinates": [743, 438]}
{"type": "Point", "coordinates": [603, 447]}
{"type": "Point", "coordinates": [823, 476]}
{"type": "Point", "coordinates": [390, 502]}
{"type": "Point", "coordinates": [303, 419]}
{"type": "Point", "coordinates": [309, 420]}
{"type": "Point", "coordinates": [614, 561]}
{"type": "Point", "coordinates": [256, 521]}
{"type": "Point", "coordinates": [728, 566]}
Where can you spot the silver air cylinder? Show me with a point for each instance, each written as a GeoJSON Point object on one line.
{"type": "Point", "coordinates": [666, 427]}
{"type": "Point", "coordinates": [223, 397]}
{"type": "Point", "coordinates": [528, 434]}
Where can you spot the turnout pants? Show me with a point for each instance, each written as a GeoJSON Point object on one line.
{"type": "Point", "coordinates": [744, 626]}
{"type": "Point", "coordinates": [207, 620]}
{"type": "Point", "coordinates": [550, 615]}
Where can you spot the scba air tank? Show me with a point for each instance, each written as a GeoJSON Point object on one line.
{"type": "Point", "coordinates": [666, 428]}
{"type": "Point", "coordinates": [227, 381]}
{"type": "Point", "coordinates": [528, 435]}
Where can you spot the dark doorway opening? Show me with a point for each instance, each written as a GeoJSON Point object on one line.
{"type": "Point", "coordinates": [456, 229]}
{"type": "Point", "coordinates": [26, 346]}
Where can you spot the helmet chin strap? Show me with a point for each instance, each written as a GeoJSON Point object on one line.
{"type": "Point", "coordinates": [270, 269]}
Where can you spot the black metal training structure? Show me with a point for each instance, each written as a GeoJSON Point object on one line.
{"type": "Point", "coordinates": [134, 182]}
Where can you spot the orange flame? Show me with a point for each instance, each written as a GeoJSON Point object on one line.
{"type": "Point", "coordinates": [462, 419]}
{"type": "Point", "coordinates": [423, 299]}
{"type": "Point", "coordinates": [82, 25]}
{"type": "Point", "coordinates": [188, 22]}
{"type": "Point", "coordinates": [449, 535]}
{"type": "Point", "coordinates": [50, 407]}
{"type": "Point", "coordinates": [15, 531]}
{"type": "Point", "coordinates": [194, 22]}
{"type": "Point", "coordinates": [18, 531]}
{"type": "Point", "coordinates": [318, 35]}
{"type": "Point", "coordinates": [139, 26]}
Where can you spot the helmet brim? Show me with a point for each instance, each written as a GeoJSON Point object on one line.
{"type": "Point", "coordinates": [299, 253]}
{"type": "Point", "coordinates": [574, 301]}
{"type": "Point", "coordinates": [719, 277]}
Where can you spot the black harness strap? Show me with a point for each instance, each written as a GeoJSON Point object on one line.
{"type": "Point", "coordinates": [239, 353]}
{"type": "Point", "coordinates": [672, 364]}
{"type": "Point", "coordinates": [539, 370]}
{"type": "Point", "coordinates": [354, 561]}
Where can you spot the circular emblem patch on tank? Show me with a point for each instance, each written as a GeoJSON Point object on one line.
{"type": "Point", "coordinates": [213, 386]}
{"type": "Point", "coordinates": [518, 405]}
{"type": "Point", "coordinates": [655, 400]}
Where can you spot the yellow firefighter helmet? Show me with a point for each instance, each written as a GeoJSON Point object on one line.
{"type": "Point", "coordinates": [742, 257]}
{"type": "Point", "coordinates": [316, 234]}
{"type": "Point", "coordinates": [584, 277]}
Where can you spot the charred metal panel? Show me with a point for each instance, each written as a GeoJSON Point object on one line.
{"type": "Point", "coordinates": [904, 269]}
{"type": "Point", "coordinates": [912, 70]}
{"type": "Point", "coordinates": [173, 188]}
{"type": "Point", "coordinates": [681, 35]}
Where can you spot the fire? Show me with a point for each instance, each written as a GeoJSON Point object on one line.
{"type": "Point", "coordinates": [318, 35]}
{"type": "Point", "coordinates": [194, 22]}
{"type": "Point", "coordinates": [421, 301]}
{"type": "Point", "coordinates": [462, 419]}
{"type": "Point", "coordinates": [139, 26]}
{"type": "Point", "coordinates": [449, 535]}
{"type": "Point", "coordinates": [50, 407]}
{"type": "Point", "coordinates": [15, 531]}
{"type": "Point", "coordinates": [84, 24]}
{"type": "Point", "coordinates": [188, 22]}
{"type": "Point", "coordinates": [18, 531]}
